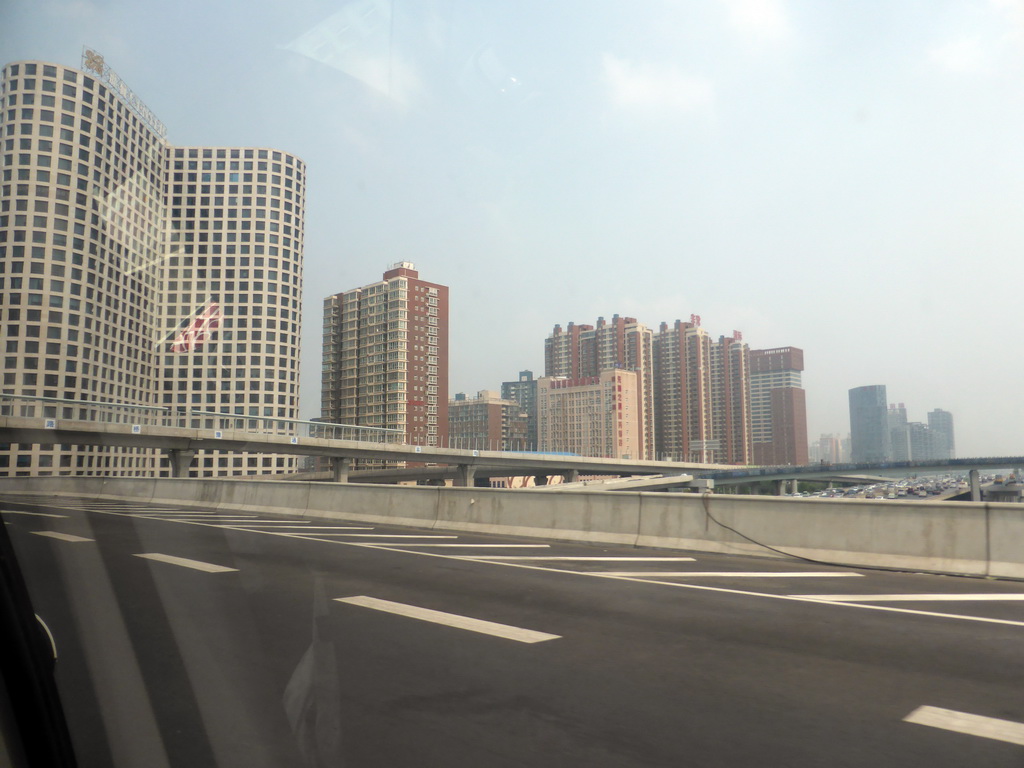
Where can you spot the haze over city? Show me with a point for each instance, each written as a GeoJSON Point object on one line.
{"type": "Point", "coordinates": [844, 179]}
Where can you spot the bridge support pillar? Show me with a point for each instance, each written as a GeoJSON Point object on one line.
{"type": "Point", "coordinates": [794, 486]}
{"type": "Point", "coordinates": [180, 460]}
{"type": "Point", "coordinates": [780, 487]}
{"type": "Point", "coordinates": [339, 469]}
{"type": "Point", "coordinates": [571, 476]}
{"type": "Point", "coordinates": [466, 476]}
{"type": "Point", "coordinates": [975, 482]}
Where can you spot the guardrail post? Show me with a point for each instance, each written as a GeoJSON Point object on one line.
{"type": "Point", "coordinates": [340, 466]}
{"type": "Point", "coordinates": [180, 459]}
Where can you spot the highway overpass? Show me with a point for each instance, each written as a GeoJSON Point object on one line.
{"type": "Point", "coordinates": [181, 435]}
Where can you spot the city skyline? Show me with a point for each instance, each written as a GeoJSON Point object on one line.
{"type": "Point", "coordinates": [820, 177]}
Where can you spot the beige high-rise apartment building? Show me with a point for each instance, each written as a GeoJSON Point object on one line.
{"type": "Point", "coordinates": [385, 348]}
{"type": "Point", "coordinates": [134, 272]}
{"type": "Point", "coordinates": [591, 416]}
{"type": "Point", "coordinates": [585, 351]}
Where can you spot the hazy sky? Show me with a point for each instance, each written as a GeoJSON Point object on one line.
{"type": "Point", "coordinates": [847, 178]}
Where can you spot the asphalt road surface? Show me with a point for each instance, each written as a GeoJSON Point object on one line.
{"type": "Point", "coordinates": [192, 638]}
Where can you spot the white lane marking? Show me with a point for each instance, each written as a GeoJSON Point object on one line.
{"type": "Point", "coordinates": [32, 514]}
{"type": "Point", "coordinates": [450, 619]}
{"type": "Point", "coordinates": [160, 513]}
{"type": "Point", "coordinates": [731, 574]}
{"type": "Point", "coordinates": [409, 550]}
{"type": "Point", "coordinates": [154, 510]}
{"type": "Point", "coordinates": [381, 535]}
{"type": "Point", "coordinates": [323, 527]}
{"type": "Point", "coordinates": [478, 546]}
{"type": "Point", "coordinates": [217, 518]}
{"type": "Point", "coordinates": [198, 565]}
{"type": "Point", "coordinates": [727, 590]}
{"type": "Point", "coordinates": [61, 536]}
{"type": "Point", "coordinates": [964, 722]}
{"type": "Point", "coordinates": [551, 557]}
{"type": "Point", "coordinates": [241, 521]}
{"type": "Point", "coordinates": [376, 536]}
{"type": "Point", "coordinates": [923, 598]}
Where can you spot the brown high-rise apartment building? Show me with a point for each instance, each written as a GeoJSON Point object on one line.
{"type": "Point", "coordinates": [138, 274]}
{"type": "Point", "coordinates": [584, 351]}
{"type": "Point", "coordinates": [730, 399]}
{"type": "Point", "coordinates": [778, 406]}
{"type": "Point", "coordinates": [701, 395]}
{"type": "Point", "coordinates": [385, 362]}
{"type": "Point", "coordinates": [487, 422]}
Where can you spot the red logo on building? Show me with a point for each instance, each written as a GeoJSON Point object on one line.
{"type": "Point", "coordinates": [202, 326]}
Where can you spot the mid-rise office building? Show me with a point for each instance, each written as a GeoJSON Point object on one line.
{"type": "Point", "coordinates": [899, 433]}
{"type": "Point", "coordinates": [917, 441]}
{"type": "Point", "coordinates": [137, 273]}
{"type": "Point", "coordinates": [584, 351]}
{"type": "Point", "coordinates": [524, 391]}
{"type": "Point", "coordinates": [830, 449]}
{"type": "Point", "coordinates": [385, 356]}
{"type": "Point", "coordinates": [591, 416]}
{"type": "Point", "coordinates": [940, 422]}
{"type": "Point", "coordinates": [778, 406]}
{"type": "Point", "coordinates": [870, 439]}
{"type": "Point", "coordinates": [487, 422]}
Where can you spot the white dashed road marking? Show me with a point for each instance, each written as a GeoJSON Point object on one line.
{"type": "Point", "coordinates": [480, 546]}
{"type": "Point", "coordinates": [613, 559]}
{"type": "Point", "coordinates": [923, 598]}
{"type": "Point", "coordinates": [386, 536]}
{"type": "Point", "coordinates": [61, 536]}
{"type": "Point", "coordinates": [185, 562]}
{"type": "Point", "coordinates": [732, 574]}
{"type": "Point", "coordinates": [450, 619]}
{"type": "Point", "coordinates": [32, 514]}
{"type": "Point", "coordinates": [963, 722]}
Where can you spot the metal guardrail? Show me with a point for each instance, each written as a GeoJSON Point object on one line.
{"type": "Point", "coordinates": [147, 415]}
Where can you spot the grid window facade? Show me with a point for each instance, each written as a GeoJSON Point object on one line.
{"type": "Point", "coordinates": [111, 240]}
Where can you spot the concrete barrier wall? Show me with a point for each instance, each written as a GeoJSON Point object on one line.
{"type": "Point", "coordinates": [611, 518]}
{"type": "Point", "coordinates": [945, 537]}
{"type": "Point", "coordinates": [949, 538]}
{"type": "Point", "coordinates": [1006, 534]}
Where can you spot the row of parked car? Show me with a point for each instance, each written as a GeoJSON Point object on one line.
{"type": "Point", "coordinates": [917, 487]}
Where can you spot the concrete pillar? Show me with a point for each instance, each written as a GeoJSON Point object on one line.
{"type": "Point", "coordinates": [780, 487]}
{"type": "Point", "coordinates": [975, 482]}
{"type": "Point", "coordinates": [571, 476]}
{"type": "Point", "coordinates": [795, 485]}
{"type": "Point", "coordinates": [466, 476]}
{"type": "Point", "coordinates": [180, 460]}
{"type": "Point", "coordinates": [340, 466]}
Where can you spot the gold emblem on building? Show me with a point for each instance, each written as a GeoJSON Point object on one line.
{"type": "Point", "coordinates": [93, 62]}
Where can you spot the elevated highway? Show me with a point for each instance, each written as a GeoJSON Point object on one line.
{"type": "Point", "coordinates": [181, 443]}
